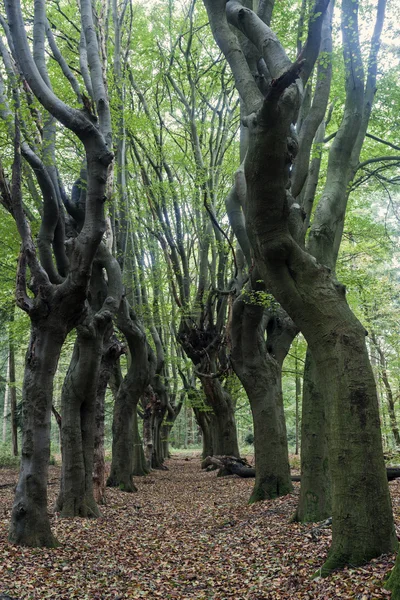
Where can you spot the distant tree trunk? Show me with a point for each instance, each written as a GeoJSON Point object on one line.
{"type": "Point", "coordinates": [140, 466]}
{"type": "Point", "coordinates": [165, 433]}
{"type": "Point", "coordinates": [298, 394]}
{"type": "Point", "coordinates": [224, 425]}
{"type": "Point", "coordinates": [173, 412]}
{"type": "Point", "coordinates": [388, 390]}
{"type": "Point", "coordinates": [12, 391]}
{"type": "Point", "coordinates": [6, 401]}
{"type": "Point", "coordinates": [149, 401]}
{"type": "Point", "coordinates": [204, 421]}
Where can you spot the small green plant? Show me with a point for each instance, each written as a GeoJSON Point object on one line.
{"type": "Point", "coordinates": [7, 459]}
{"type": "Point", "coordinates": [249, 439]}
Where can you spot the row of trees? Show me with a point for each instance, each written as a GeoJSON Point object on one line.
{"type": "Point", "coordinates": [127, 189]}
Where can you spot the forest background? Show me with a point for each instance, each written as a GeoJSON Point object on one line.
{"type": "Point", "coordinates": [175, 116]}
{"type": "Point", "coordinates": [368, 261]}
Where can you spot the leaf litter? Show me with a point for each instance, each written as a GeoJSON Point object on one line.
{"type": "Point", "coordinates": [185, 535]}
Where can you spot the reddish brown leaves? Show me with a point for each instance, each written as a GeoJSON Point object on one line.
{"type": "Point", "coordinates": [186, 535]}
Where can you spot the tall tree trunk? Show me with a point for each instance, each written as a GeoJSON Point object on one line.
{"type": "Point", "coordinates": [140, 466]}
{"type": "Point", "coordinates": [30, 525]}
{"type": "Point", "coordinates": [203, 419]}
{"type": "Point", "coordinates": [112, 350]}
{"type": "Point", "coordinates": [225, 440]}
{"type": "Point", "coordinates": [59, 294]}
{"type": "Point", "coordinates": [315, 490]}
{"type": "Point", "coordinates": [78, 405]}
{"type": "Point", "coordinates": [261, 376]}
{"type": "Point", "coordinates": [6, 400]}
{"type": "Point", "coordinates": [12, 391]}
{"type": "Point", "coordinates": [138, 376]}
{"type": "Point", "coordinates": [361, 509]}
{"type": "Point", "coordinates": [298, 395]}
{"type": "Point", "coordinates": [388, 391]}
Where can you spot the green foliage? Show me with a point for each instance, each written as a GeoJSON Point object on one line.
{"type": "Point", "coordinates": [260, 298]}
{"type": "Point", "coordinates": [7, 459]}
{"type": "Point", "coordinates": [249, 439]}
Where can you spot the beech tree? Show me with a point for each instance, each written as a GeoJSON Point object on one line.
{"type": "Point", "coordinates": [305, 288]}
{"type": "Point", "coordinates": [59, 292]}
{"type": "Point", "coordinates": [184, 205]}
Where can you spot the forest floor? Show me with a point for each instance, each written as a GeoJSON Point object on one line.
{"type": "Point", "coordinates": [186, 535]}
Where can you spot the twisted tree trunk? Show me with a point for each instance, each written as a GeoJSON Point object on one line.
{"type": "Point", "coordinates": [361, 509]}
{"type": "Point", "coordinates": [139, 374]}
{"type": "Point", "coordinates": [78, 405]}
{"type": "Point", "coordinates": [260, 374]}
{"type": "Point", "coordinates": [30, 524]}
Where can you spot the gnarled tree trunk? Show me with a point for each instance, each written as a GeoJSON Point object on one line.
{"type": "Point", "coordinates": [30, 524]}
{"type": "Point", "coordinates": [77, 427]}
{"type": "Point", "coordinates": [112, 350]}
{"type": "Point", "coordinates": [131, 389]}
{"type": "Point", "coordinates": [261, 376]}
{"type": "Point", "coordinates": [361, 509]}
{"type": "Point", "coordinates": [315, 490]}
{"type": "Point", "coordinates": [224, 424]}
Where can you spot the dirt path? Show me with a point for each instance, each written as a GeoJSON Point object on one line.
{"type": "Point", "coordinates": [186, 535]}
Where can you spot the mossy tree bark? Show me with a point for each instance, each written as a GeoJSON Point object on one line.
{"type": "Point", "coordinates": [315, 490]}
{"type": "Point", "coordinates": [393, 582]}
{"type": "Point", "coordinates": [327, 227]}
{"type": "Point", "coordinates": [30, 525]}
{"type": "Point", "coordinates": [78, 399]}
{"type": "Point", "coordinates": [361, 509]}
{"type": "Point", "coordinates": [59, 286]}
{"type": "Point", "coordinates": [261, 376]}
{"type": "Point", "coordinates": [140, 370]}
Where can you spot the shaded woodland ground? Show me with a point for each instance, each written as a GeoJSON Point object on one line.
{"type": "Point", "coordinates": [188, 535]}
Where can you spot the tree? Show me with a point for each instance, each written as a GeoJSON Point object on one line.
{"type": "Point", "coordinates": [58, 302]}
{"type": "Point", "coordinates": [307, 290]}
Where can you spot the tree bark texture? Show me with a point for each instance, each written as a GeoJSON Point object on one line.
{"type": "Point", "coordinates": [315, 491]}
{"type": "Point", "coordinates": [225, 434]}
{"type": "Point", "coordinates": [140, 370]}
{"type": "Point", "coordinates": [78, 405]}
{"type": "Point", "coordinates": [260, 375]}
{"type": "Point", "coordinates": [361, 509]}
{"type": "Point", "coordinates": [30, 525]}
{"type": "Point", "coordinates": [112, 350]}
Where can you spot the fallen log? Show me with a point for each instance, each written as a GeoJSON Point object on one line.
{"type": "Point", "coordinates": [230, 465]}
{"type": "Point", "coordinates": [392, 473]}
